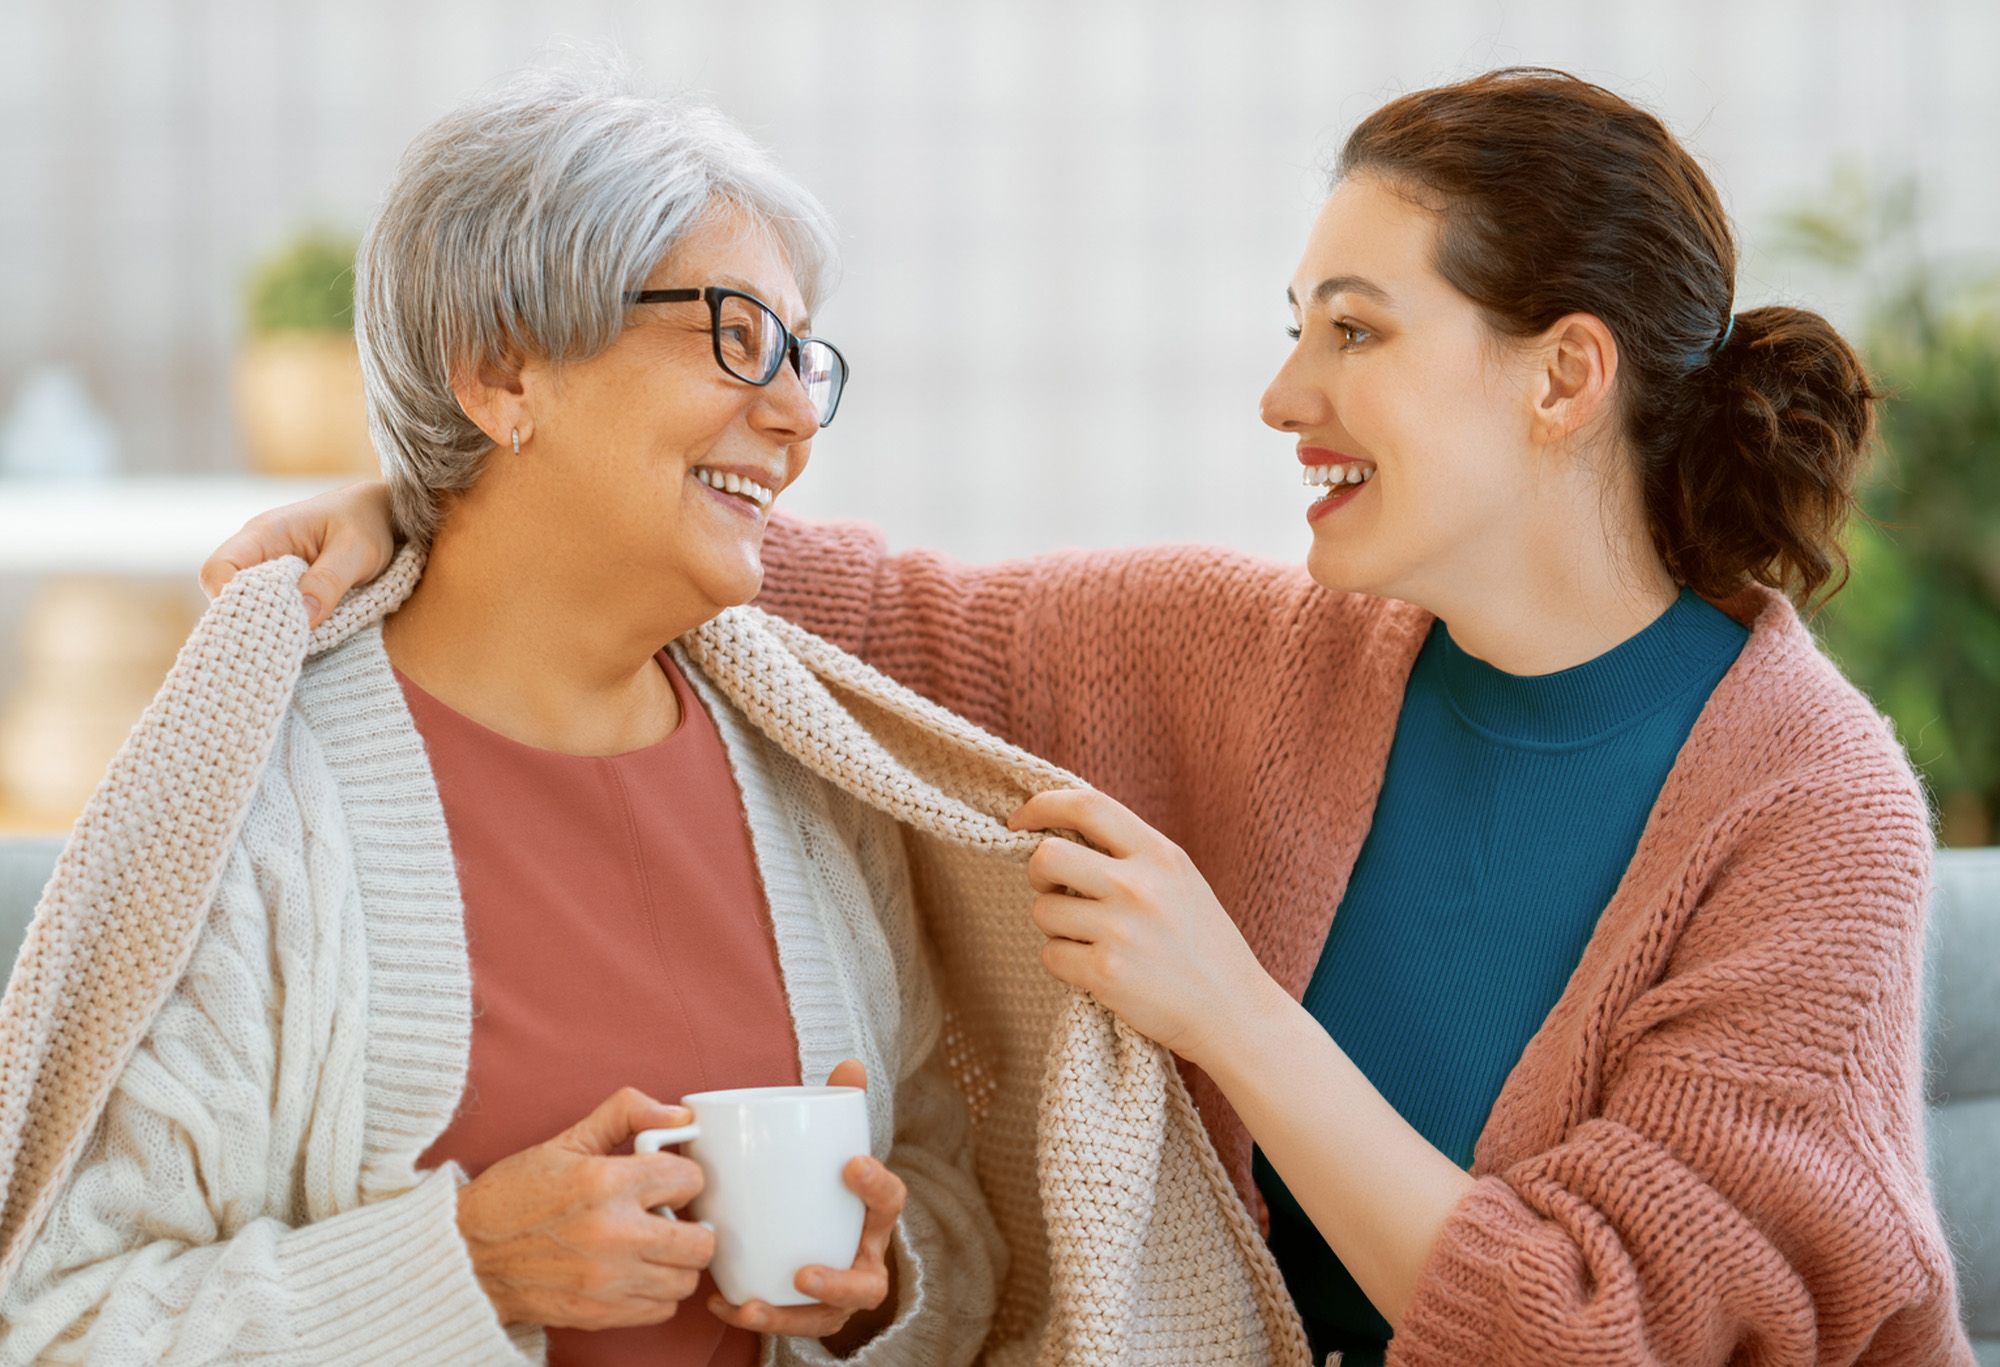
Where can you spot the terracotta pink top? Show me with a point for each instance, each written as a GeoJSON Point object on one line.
{"type": "Point", "coordinates": [1713, 1148]}
{"type": "Point", "coordinates": [618, 936]}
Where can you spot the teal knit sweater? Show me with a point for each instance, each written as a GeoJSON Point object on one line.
{"type": "Point", "coordinates": [1509, 811]}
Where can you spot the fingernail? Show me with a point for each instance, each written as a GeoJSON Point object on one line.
{"type": "Point", "coordinates": [813, 1281]}
{"type": "Point", "coordinates": [312, 607]}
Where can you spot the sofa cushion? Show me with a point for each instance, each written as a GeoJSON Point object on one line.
{"type": "Point", "coordinates": [1962, 1077]}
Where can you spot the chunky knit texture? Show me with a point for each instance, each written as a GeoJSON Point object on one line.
{"type": "Point", "coordinates": [242, 1012]}
{"type": "Point", "coordinates": [1712, 1149]}
{"type": "Point", "coordinates": [1508, 813]}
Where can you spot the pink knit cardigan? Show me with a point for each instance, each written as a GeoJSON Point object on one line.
{"type": "Point", "coordinates": [1712, 1150]}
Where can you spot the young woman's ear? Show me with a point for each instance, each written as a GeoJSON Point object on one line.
{"type": "Point", "coordinates": [1576, 367]}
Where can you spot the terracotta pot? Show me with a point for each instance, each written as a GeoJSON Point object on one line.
{"type": "Point", "coordinates": [299, 402]}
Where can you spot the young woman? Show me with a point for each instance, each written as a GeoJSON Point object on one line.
{"type": "Point", "coordinates": [1537, 910]}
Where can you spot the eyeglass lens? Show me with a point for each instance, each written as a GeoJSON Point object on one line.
{"type": "Point", "coordinates": [752, 343]}
{"type": "Point", "coordinates": [751, 339]}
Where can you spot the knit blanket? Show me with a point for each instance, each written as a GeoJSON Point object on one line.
{"type": "Point", "coordinates": [1128, 1242]}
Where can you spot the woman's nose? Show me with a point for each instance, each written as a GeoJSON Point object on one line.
{"type": "Point", "coordinates": [1289, 405]}
{"type": "Point", "coordinates": [786, 410]}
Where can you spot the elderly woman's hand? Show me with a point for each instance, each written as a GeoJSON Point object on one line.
{"type": "Point", "coordinates": [564, 1233]}
{"type": "Point", "coordinates": [1133, 923]}
{"type": "Point", "coordinates": [846, 1296]}
{"type": "Point", "coordinates": [346, 537]}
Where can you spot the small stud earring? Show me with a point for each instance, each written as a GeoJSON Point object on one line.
{"type": "Point", "coordinates": [517, 441]}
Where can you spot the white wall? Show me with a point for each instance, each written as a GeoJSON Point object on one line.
{"type": "Point", "coordinates": [1069, 225]}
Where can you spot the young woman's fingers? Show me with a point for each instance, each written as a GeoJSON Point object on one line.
{"type": "Point", "coordinates": [346, 560]}
{"type": "Point", "coordinates": [345, 536]}
{"type": "Point", "coordinates": [261, 538]}
{"type": "Point", "coordinates": [1067, 918]}
{"type": "Point", "coordinates": [1070, 962]}
{"type": "Point", "coordinates": [1059, 864]}
{"type": "Point", "coordinates": [1101, 820]}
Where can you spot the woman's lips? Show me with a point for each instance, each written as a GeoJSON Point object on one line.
{"type": "Point", "coordinates": [740, 504]}
{"type": "Point", "coordinates": [1340, 498]}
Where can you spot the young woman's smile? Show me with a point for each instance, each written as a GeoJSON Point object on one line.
{"type": "Point", "coordinates": [1342, 477]}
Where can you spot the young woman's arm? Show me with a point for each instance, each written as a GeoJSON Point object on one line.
{"type": "Point", "coordinates": [1106, 662]}
{"type": "Point", "coordinates": [1749, 1180]}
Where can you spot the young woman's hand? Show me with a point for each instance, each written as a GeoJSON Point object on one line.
{"type": "Point", "coordinates": [1134, 924]}
{"type": "Point", "coordinates": [848, 1295]}
{"type": "Point", "coordinates": [346, 537]}
{"type": "Point", "coordinates": [565, 1233]}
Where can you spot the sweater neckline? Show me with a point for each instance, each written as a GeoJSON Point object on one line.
{"type": "Point", "coordinates": [1686, 646]}
{"type": "Point", "coordinates": [431, 710]}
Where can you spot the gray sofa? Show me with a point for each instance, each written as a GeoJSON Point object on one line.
{"type": "Point", "coordinates": [1962, 1053]}
{"type": "Point", "coordinates": [1962, 1041]}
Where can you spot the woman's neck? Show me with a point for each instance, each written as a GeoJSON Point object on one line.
{"type": "Point", "coordinates": [537, 647]}
{"type": "Point", "coordinates": [1548, 599]}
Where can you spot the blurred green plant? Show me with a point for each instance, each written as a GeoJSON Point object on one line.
{"type": "Point", "coordinates": [307, 285]}
{"type": "Point", "coordinates": [1918, 626]}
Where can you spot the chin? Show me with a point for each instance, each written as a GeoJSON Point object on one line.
{"type": "Point", "coordinates": [1336, 569]}
{"type": "Point", "coordinates": [734, 585]}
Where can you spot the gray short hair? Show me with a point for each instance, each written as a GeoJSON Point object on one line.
{"type": "Point", "coordinates": [515, 226]}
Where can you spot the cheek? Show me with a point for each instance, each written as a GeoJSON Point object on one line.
{"type": "Point", "coordinates": [1445, 437]}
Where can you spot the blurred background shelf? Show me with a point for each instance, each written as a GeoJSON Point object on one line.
{"type": "Point", "coordinates": [137, 526]}
{"type": "Point", "coordinates": [108, 567]}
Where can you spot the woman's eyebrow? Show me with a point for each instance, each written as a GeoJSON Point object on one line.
{"type": "Point", "coordinates": [802, 327]}
{"type": "Point", "coordinates": [1344, 284]}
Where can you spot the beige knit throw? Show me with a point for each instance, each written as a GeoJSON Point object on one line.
{"type": "Point", "coordinates": [1128, 1242]}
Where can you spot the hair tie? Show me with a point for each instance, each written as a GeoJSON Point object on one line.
{"type": "Point", "coordinates": [1726, 331]}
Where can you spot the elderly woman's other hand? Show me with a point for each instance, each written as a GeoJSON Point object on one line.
{"type": "Point", "coordinates": [564, 1234]}
{"type": "Point", "coordinates": [847, 1296]}
{"type": "Point", "coordinates": [346, 537]}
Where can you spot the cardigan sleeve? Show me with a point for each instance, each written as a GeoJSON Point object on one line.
{"type": "Point", "coordinates": [215, 1213]}
{"type": "Point", "coordinates": [949, 631]}
{"type": "Point", "coordinates": [1752, 1184]}
{"type": "Point", "coordinates": [948, 1250]}
{"type": "Point", "coordinates": [1108, 662]}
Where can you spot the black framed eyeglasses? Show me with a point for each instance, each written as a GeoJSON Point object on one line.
{"type": "Point", "coordinates": [751, 343]}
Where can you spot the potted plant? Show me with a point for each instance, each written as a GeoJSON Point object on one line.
{"type": "Point", "coordinates": [1918, 627]}
{"type": "Point", "coordinates": [298, 378]}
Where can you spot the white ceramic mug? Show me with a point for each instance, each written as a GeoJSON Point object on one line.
{"type": "Point", "coordinates": [772, 1159]}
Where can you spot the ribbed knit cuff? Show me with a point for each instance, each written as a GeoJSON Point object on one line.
{"type": "Point", "coordinates": [821, 575]}
{"type": "Point", "coordinates": [392, 1282]}
{"type": "Point", "coordinates": [1450, 1317]}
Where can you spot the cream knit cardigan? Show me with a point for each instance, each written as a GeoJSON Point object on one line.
{"type": "Point", "coordinates": [243, 1009]}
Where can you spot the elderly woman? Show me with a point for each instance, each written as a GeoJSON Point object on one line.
{"type": "Point", "coordinates": [363, 1128]}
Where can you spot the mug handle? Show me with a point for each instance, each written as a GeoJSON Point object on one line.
{"type": "Point", "coordinates": [652, 1141]}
